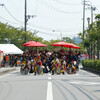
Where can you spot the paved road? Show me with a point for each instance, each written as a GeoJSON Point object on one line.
{"type": "Point", "coordinates": [81, 86]}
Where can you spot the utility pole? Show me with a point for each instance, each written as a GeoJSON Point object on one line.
{"type": "Point", "coordinates": [88, 19]}
{"type": "Point", "coordinates": [91, 14]}
{"type": "Point", "coordinates": [25, 17]}
{"type": "Point", "coordinates": [83, 20]}
{"type": "Point", "coordinates": [91, 23]}
{"type": "Point", "coordinates": [92, 9]}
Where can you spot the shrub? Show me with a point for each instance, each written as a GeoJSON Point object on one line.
{"type": "Point", "coordinates": [98, 65]}
{"type": "Point", "coordinates": [91, 64]}
{"type": "Point", "coordinates": [83, 63]}
{"type": "Point", "coordinates": [94, 64]}
{"type": "Point", "coordinates": [86, 63]}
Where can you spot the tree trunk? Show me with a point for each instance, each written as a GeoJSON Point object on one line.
{"type": "Point", "coordinates": [98, 49]}
{"type": "Point", "coordinates": [91, 50]}
{"type": "Point", "coordinates": [88, 50]}
{"type": "Point", "coordinates": [94, 51]}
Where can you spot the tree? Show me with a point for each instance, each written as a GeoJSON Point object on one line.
{"type": "Point", "coordinates": [98, 33]}
{"type": "Point", "coordinates": [9, 34]}
{"type": "Point", "coordinates": [67, 39]}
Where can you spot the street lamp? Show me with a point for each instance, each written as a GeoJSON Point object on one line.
{"type": "Point", "coordinates": [88, 19]}
{"type": "Point", "coordinates": [1, 4]}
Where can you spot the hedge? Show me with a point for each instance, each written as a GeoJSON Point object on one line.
{"type": "Point", "coordinates": [91, 64]}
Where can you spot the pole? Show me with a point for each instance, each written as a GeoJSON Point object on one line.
{"type": "Point", "coordinates": [88, 19]}
{"type": "Point", "coordinates": [91, 14]}
{"type": "Point", "coordinates": [25, 23]}
{"type": "Point", "coordinates": [91, 23]}
{"type": "Point", "coordinates": [83, 20]}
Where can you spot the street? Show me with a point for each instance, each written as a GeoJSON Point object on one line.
{"type": "Point", "coordinates": [80, 86]}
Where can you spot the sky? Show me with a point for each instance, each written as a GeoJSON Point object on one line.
{"type": "Point", "coordinates": [53, 18]}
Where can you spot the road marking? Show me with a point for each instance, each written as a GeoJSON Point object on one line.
{"type": "Point", "coordinates": [49, 91]}
{"type": "Point", "coordinates": [84, 83]}
{"type": "Point", "coordinates": [49, 78]}
{"type": "Point", "coordinates": [49, 74]}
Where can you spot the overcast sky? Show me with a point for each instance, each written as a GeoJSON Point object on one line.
{"type": "Point", "coordinates": [63, 16]}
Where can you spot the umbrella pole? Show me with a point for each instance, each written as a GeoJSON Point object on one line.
{"type": "Point", "coordinates": [70, 50]}
{"type": "Point", "coordinates": [61, 47]}
{"type": "Point", "coordinates": [36, 49]}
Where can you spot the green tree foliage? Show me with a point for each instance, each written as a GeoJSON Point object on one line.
{"type": "Point", "coordinates": [9, 34]}
{"type": "Point", "coordinates": [67, 39]}
{"type": "Point", "coordinates": [92, 35]}
{"type": "Point", "coordinates": [48, 43]}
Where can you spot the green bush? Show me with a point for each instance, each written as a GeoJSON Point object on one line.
{"type": "Point", "coordinates": [83, 63]}
{"type": "Point", "coordinates": [91, 64]}
{"type": "Point", "coordinates": [94, 64]}
{"type": "Point", "coordinates": [98, 65]}
{"type": "Point", "coordinates": [86, 63]}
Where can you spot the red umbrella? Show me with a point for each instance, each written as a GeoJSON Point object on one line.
{"type": "Point", "coordinates": [34, 44]}
{"type": "Point", "coordinates": [76, 47]}
{"type": "Point", "coordinates": [25, 44]}
{"type": "Point", "coordinates": [73, 46]}
{"type": "Point", "coordinates": [62, 44]}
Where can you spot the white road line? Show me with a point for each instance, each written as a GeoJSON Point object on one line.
{"type": "Point", "coordinates": [49, 78]}
{"type": "Point", "coordinates": [84, 83]}
{"type": "Point", "coordinates": [49, 74]}
{"type": "Point", "coordinates": [49, 91]}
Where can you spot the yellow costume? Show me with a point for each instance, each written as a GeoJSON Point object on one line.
{"type": "Point", "coordinates": [23, 64]}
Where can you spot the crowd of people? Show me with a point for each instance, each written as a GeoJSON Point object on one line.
{"type": "Point", "coordinates": [11, 60]}
{"type": "Point", "coordinates": [55, 62]}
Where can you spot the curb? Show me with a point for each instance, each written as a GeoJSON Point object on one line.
{"type": "Point", "coordinates": [92, 72]}
{"type": "Point", "coordinates": [7, 71]}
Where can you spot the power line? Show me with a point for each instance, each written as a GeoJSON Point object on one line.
{"type": "Point", "coordinates": [8, 21]}
{"type": "Point", "coordinates": [41, 27]}
{"type": "Point", "coordinates": [58, 10]}
{"type": "Point", "coordinates": [47, 33]}
{"type": "Point", "coordinates": [28, 27]}
{"type": "Point", "coordinates": [39, 32]}
{"type": "Point", "coordinates": [84, 3]}
{"type": "Point", "coordinates": [50, 29]}
{"type": "Point", "coordinates": [64, 3]}
{"type": "Point", "coordinates": [22, 22]}
{"type": "Point", "coordinates": [12, 15]}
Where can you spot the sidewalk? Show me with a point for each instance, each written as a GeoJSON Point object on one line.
{"type": "Point", "coordinates": [4, 70]}
{"type": "Point", "coordinates": [90, 71]}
